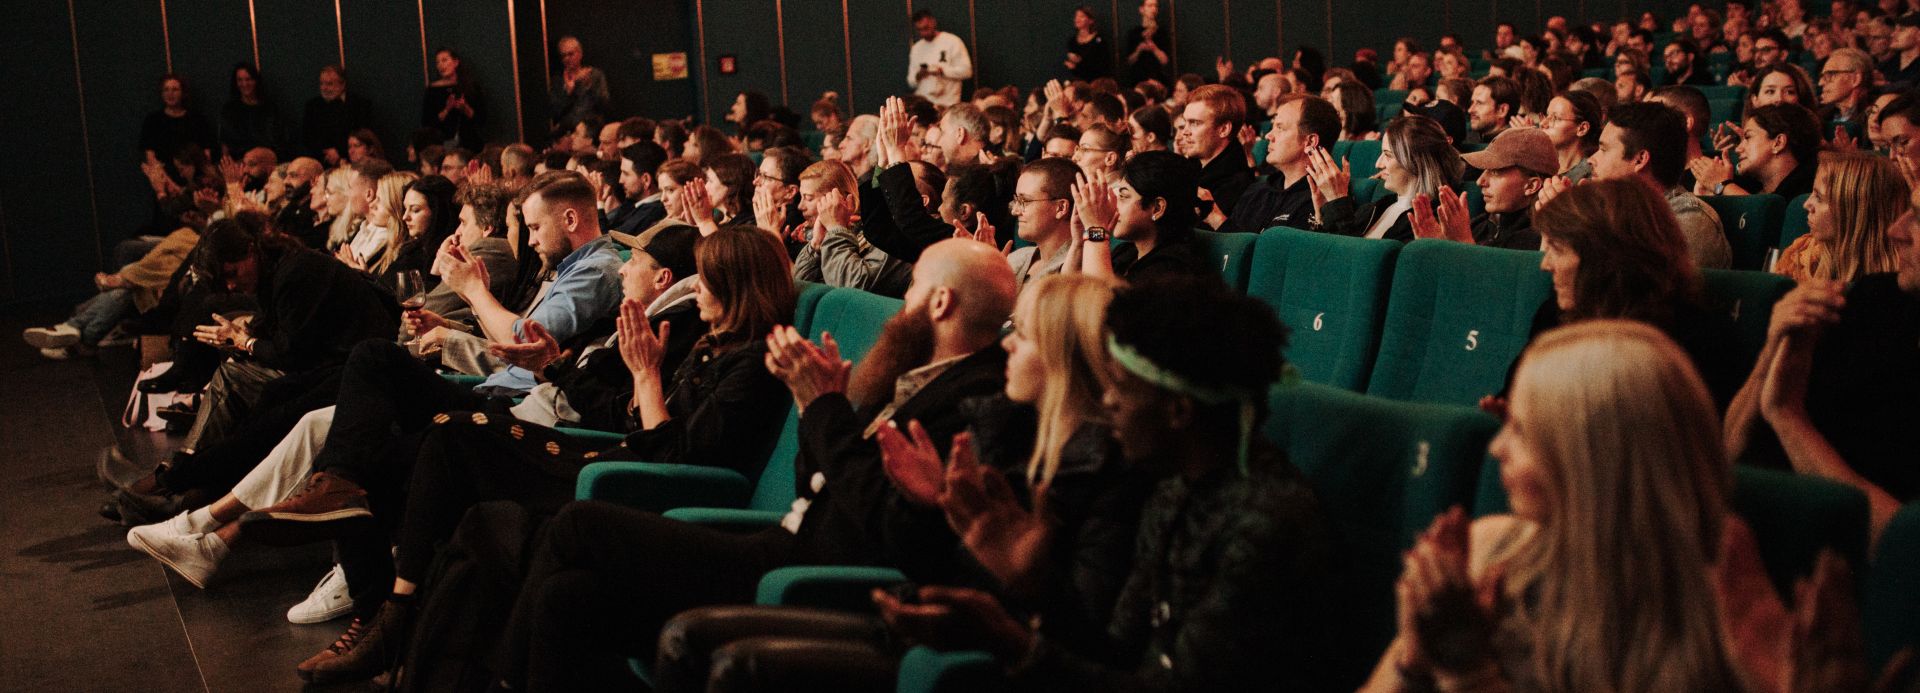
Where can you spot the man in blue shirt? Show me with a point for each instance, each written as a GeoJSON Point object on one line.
{"type": "Point", "coordinates": [384, 387]}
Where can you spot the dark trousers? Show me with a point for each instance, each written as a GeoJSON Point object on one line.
{"type": "Point", "coordinates": [472, 458]}
{"type": "Point", "coordinates": [774, 648]}
{"type": "Point", "coordinates": [384, 392]}
{"type": "Point", "coordinates": [221, 463]}
{"type": "Point", "coordinates": [607, 578]}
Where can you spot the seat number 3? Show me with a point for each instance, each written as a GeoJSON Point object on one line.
{"type": "Point", "coordinates": [1473, 339]}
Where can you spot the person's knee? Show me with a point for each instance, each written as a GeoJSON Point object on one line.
{"type": "Point", "coordinates": [377, 352]}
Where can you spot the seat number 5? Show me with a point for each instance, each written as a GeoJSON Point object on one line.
{"type": "Point", "coordinates": [1318, 322]}
{"type": "Point", "coordinates": [1473, 339]}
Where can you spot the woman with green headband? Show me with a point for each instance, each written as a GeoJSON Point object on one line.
{"type": "Point", "coordinates": [1229, 588]}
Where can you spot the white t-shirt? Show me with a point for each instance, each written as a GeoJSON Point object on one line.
{"type": "Point", "coordinates": [946, 52]}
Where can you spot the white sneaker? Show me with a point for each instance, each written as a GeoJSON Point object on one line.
{"type": "Point", "coordinates": [194, 556]}
{"type": "Point", "coordinates": [57, 353]}
{"type": "Point", "coordinates": [328, 600]}
{"type": "Point", "coordinates": [58, 336]}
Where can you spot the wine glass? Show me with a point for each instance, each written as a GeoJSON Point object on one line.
{"type": "Point", "coordinates": [411, 290]}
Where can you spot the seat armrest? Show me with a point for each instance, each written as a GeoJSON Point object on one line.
{"type": "Point", "coordinates": [659, 487]}
{"type": "Point", "coordinates": [729, 519]}
{"type": "Point", "coordinates": [827, 586]}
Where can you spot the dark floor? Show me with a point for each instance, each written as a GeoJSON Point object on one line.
{"type": "Point", "coordinates": [79, 609]}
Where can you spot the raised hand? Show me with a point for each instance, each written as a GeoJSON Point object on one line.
{"type": "Point", "coordinates": [1549, 189]}
{"type": "Point", "coordinates": [1844, 141]}
{"type": "Point", "coordinates": [832, 210]}
{"type": "Point", "coordinates": [1421, 217]}
{"type": "Point", "coordinates": [767, 213]}
{"type": "Point", "coordinates": [232, 171]}
{"type": "Point", "coordinates": [1329, 181]}
{"type": "Point", "coordinates": [1726, 137]}
{"type": "Point", "coordinates": [1094, 201]}
{"type": "Point", "coordinates": [462, 272]}
{"type": "Point", "coordinates": [1222, 68]}
{"type": "Point", "coordinates": [533, 349]}
{"type": "Point", "coordinates": [910, 460]}
{"type": "Point", "coordinates": [808, 371]}
{"type": "Point", "coordinates": [640, 347]}
{"type": "Point", "coordinates": [1447, 623]}
{"type": "Point", "coordinates": [1709, 172]}
{"type": "Point", "coordinates": [1004, 537]}
{"type": "Point", "coordinates": [1455, 218]}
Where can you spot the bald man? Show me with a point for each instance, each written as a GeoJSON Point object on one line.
{"type": "Point", "coordinates": [578, 617]}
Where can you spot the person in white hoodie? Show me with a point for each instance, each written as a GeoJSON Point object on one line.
{"type": "Point", "coordinates": [938, 62]}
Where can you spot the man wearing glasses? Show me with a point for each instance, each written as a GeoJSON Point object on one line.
{"type": "Point", "coordinates": [1769, 49]}
{"type": "Point", "coordinates": [1843, 86]}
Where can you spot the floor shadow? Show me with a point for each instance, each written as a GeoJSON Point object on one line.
{"type": "Point", "coordinates": [93, 537]}
{"type": "Point", "coordinates": [121, 600]}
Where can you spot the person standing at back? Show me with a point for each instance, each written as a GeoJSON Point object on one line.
{"type": "Point", "coordinates": [580, 92]}
{"type": "Point", "coordinates": [938, 62]}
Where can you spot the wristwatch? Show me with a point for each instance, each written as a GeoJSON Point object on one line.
{"type": "Point", "coordinates": [1095, 234]}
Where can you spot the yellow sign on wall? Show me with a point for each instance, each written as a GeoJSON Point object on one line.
{"type": "Point", "coordinates": [669, 66]}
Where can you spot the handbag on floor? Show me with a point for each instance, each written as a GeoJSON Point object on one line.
{"type": "Point", "coordinates": [143, 408]}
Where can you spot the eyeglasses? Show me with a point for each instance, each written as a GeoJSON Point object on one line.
{"type": "Point", "coordinates": [1019, 203]}
{"type": "Point", "coordinates": [1832, 74]}
{"type": "Point", "coordinates": [762, 177]}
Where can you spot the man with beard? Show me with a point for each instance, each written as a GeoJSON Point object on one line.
{"type": "Point", "coordinates": [582, 610]}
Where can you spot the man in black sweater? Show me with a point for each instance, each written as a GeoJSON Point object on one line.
{"type": "Point", "coordinates": [1301, 123]}
{"type": "Point", "coordinates": [331, 116]}
{"type": "Point", "coordinates": [1205, 134]}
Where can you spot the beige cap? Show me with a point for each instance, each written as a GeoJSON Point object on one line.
{"type": "Point", "coordinates": [1528, 148]}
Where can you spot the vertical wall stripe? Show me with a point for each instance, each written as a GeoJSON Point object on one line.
{"type": "Point", "coordinates": [86, 142]}
{"type": "Point", "coordinates": [846, 48]}
{"type": "Point", "coordinates": [1114, 10]}
{"type": "Point", "coordinates": [253, 27]}
{"type": "Point", "coordinates": [426, 72]}
{"type": "Point", "coordinates": [1173, 33]}
{"type": "Point", "coordinates": [166, 36]}
{"type": "Point", "coordinates": [513, 49]}
{"type": "Point", "coordinates": [546, 51]}
{"type": "Point", "coordinates": [780, 34]}
{"type": "Point", "coordinates": [973, 43]}
{"type": "Point", "coordinates": [706, 96]}
{"type": "Point", "coordinates": [1328, 9]}
{"type": "Point", "coordinates": [1280, 33]}
{"type": "Point", "coordinates": [1226, 28]}
{"type": "Point", "coordinates": [340, 34]}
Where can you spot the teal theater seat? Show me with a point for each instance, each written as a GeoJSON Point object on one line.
{"type": "Point", "coordinates": [1457, 318]}
{"type": "Point", "coordinates": [1751, 222]}
{"type": "Point", "coordinates": [1890, 607]}
{"type": "Point", "coordinates": [1231, 253]}
{"type": "Point", "coordinates": [1331, 292]}
{"type": "Point", "coordinates": [1748, 298]}
{"type": "Point", "coordinates": [1793, 223]}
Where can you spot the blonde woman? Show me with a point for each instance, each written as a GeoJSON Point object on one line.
{"type": "Point", "coordinates": [379, 240]}
{"type": "Point", "coordinates": [1602, 577]}
{"type": "Point", "coordinates": [1856, 197]}
{"type": "Point", "coordinates": [1046, 428]}
{"type": "Point", "coordinates": [345, 222]}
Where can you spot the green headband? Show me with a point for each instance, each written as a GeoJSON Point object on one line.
{"type": "Point", "coordinates": [1145, 369]}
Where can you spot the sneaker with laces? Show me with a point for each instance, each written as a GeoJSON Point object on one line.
{"type": "Point", "coordinates": [328, 600]}
{"type": "Point", "coordinates": [328, 507]}
{"type": "Point", "coordinates": [56, 353]}
{"type": "Point", "coordinates": [365, 650]}
{"type": "Point", "coordinates": [57, 337]}
{"type": "Point", "coordinates": [194, 556]}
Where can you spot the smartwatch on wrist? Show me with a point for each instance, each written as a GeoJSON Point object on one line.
{"type": "Point", "coordinates": [1095, 234]}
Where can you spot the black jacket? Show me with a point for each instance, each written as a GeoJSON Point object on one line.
{"type": "Point", "coordinates": [842, 524]}
{"type": "Point", "coordinates": [895, 220]}
{"type": "Point", "coordinates": [727, 410]}
{"type": "Point", "coordinates": [313, 310]}
{"type": "Point", "coordinates": [600, 387]}
{"type": "Point", "coordinates": [1269, 203]}
{"type": "Point", "coordinates": [1227, 177]}
{"type": "Point", "coordinates": [327, 124]}
{"type": "Point", "coordinates": [1178, 257]}
{"type": "Point", "coordinates": [1343, 216]}
{"type": "Point", "coordinates": [634, 218]}
{"type": "Point", "coordinates": [1513, 230]}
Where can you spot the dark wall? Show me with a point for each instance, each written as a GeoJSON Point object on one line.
{"type": "Point", "coordinates": [91, 68]}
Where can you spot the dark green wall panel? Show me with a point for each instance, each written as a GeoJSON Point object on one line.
{"type": "Point", "coordinates": [383, 65]}
{"type": "Point", "coordinates": [48, 218]}
{"type": "Point", "coordinates": [476, 31]}
{"type": "Point", "coordinates": [746, 30]}
{"type": "Point", "coordinates": [621, 39]}
{"type": "Point", "coordinates": [208, 37]}
{"type": "Point", "coordinates": [117, 98]}
{"type": "Point", "coordinates": [1202, 34]}
{"type": "Point", "coordinates": [880, 42]}
{"type": "Point", "coordinates": [816, 56]}
{"type": "Point", "coordinates": [297, 38]}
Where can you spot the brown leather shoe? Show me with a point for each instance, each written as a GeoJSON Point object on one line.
{"type": "Point", "coordinates": [366, 650]}
{"type": "Point", "coordinates": [329, 507]}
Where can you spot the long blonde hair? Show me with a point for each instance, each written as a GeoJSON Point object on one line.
{"type": "Point", "coordinates": [339, 181]}
{"type": "Point", "coordinates": [1867, 195]}
{"type": "Point", "coordinates": [1616, 580]}
{"type": "Point", "coordinates": [1065, 317]}
{"type": "Point", "coordinates": [392, 193]}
